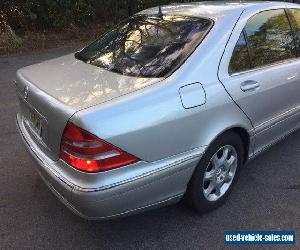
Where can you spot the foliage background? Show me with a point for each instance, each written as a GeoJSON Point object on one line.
{"type": "Point", "coordinates": [22, 15]}
{"type": "Point", "coordinates": [30, 24]}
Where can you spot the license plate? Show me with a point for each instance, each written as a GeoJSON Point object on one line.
{"type": "Point", "coordinates": [35, 123]}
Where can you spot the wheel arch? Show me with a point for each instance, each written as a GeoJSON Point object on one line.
{"type": "Point", "coordinates": [242, 133]}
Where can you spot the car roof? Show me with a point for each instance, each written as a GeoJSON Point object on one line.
{"type": "Point", "coordinates": [215, 9]}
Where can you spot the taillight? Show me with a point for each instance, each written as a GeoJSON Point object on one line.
{"type": "Point", "coordinates": [88, 153]}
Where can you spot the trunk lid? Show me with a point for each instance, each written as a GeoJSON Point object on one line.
{"type": "Point", "coordinates": [56, 89]}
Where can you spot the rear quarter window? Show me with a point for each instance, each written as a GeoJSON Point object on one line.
{"type": "Point", "coordinates": [240, 60]}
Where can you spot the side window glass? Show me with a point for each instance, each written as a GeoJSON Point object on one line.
{"type": "Point", "coordinates": [294, 15]}
{"type": "Point", "coordinates": [270, 37]}
{"type": "Point", "coordinates": [240, 60]}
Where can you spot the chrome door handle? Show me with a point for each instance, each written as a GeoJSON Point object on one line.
{"type": "Point", "coordinates": [249, 85]}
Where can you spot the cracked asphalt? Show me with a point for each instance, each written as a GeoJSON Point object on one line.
{"type": "Point", "coordinates": [267, 197]}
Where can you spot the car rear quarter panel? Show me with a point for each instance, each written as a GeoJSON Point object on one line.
{"type": "Point", "coordinates": [152, 123]}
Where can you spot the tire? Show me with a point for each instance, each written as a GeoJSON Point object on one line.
{"type": "Point", "coordinates": [206, 194]}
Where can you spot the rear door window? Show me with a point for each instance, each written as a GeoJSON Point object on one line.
{"type": "Point", "coordinates": [270, 38]}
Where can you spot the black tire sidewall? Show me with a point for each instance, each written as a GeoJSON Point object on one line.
{"type": "Point", "coordinates": [194, 195]}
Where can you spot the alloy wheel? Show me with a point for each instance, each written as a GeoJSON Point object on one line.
{"type": "Point", "coordinates": [220, 173]}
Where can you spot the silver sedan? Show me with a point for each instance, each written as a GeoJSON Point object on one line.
{"type": "Point", "coordinates": [169, 104]}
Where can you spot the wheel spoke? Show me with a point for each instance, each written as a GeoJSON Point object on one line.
{"type": "Point", "coordinates": [210, 188]}
{"type": "Point", "coordinates": [215, 161]}
{"type": "Point", "coordinates": [228, 178]}
{"type": "Point", "coordinates": [218, 190]}
{"type": "Point", "coordinates": [230, 162]}
{"type": "Point", "coordinates": [224, 156]}
{"type": "Point", "coordinates": [208, 176]}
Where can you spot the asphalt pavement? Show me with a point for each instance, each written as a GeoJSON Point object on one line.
{"type": "Point", "coordinates": [267, 197]}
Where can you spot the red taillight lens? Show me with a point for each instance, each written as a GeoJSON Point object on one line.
{"type": "Point", "coordinates": [88, 153]}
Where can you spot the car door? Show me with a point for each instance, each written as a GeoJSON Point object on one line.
{"type": "Point", "coordinates": [260, 70]}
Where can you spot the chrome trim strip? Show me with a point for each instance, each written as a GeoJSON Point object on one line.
{"type": "Point", "coordinates": [253, 156]}
{"type": "Point", "coordinates": [279, 118]}
{"type": "Point", "coordinates": [291, 60]}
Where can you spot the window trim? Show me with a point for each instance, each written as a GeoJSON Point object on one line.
{"type": "Point", "coordinates": [252, 69]}
{"type": "Point", "coordinates": [288, 14]}
{"type": "Point", "coordinates": [248, 48]}
{"type": "Point", "coordinates": [278, 63]}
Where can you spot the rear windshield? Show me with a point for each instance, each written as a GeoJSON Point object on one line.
{"type": "Point", "coordinates": [147, 46]}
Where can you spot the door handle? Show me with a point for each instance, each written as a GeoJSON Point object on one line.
{"type": "Point", "coordinates": [249, 85]}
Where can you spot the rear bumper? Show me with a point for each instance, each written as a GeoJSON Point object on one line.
{"type": "Point", "coordinates": [118, 192]}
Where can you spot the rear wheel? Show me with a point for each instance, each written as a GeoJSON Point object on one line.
{"type": "Point", "coordinates": [216, 174]}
